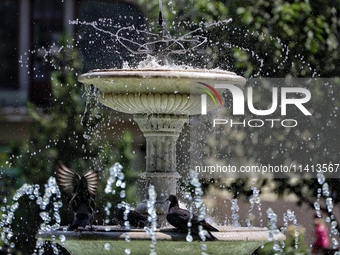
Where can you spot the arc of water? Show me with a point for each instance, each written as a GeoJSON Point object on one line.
{"type": "Point", "coordinates": [144, 49]}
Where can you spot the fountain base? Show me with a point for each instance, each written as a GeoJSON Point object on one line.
{"type": "Point", "coordinates": [232, 240]}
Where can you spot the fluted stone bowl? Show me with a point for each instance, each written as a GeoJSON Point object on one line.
{"type": "Point", "coordinates": [158, 91]}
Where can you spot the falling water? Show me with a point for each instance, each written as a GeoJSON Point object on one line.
{"type": "Point", "coordinates": [321, 181]}
{"type": "Point", "coordinates": [189, 237]}
{"type": "Point", "coordinates": [107, 212]}
{"type": "Point", "coordinates": [273, 230]}
{"type": "Point", "coordinates": [255, 199]}
{"type": "Point", "coordinates": [50, 188]}
{"type": "Point", "coordinates": [126, 224]}
{"type": "Point", "coordinates": [200, 206]}
{"type": "Point", "coordinates": [329, 204]}
{"type": "Point", "coordinates": [51, 218]}
{"type": "Point", "coordinates": [152, 218]}
{"type": "Point", "coordinates": [160, 5]}
{"type": "Point", "coordinates": [235, 209]}
{"type": "Point", "coordinates": [114, 170]}
{"type": "Point", "coordinates": [290, 217]}
{"type": "Point", "coordinates": [117, 176]}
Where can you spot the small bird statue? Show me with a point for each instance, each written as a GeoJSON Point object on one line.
{"type": "Point", "coordinates": [135, 219]}
{"type": "Point", "coordinates": [81, 192]}
{"type": "Point", "coordinates": [179, 218]}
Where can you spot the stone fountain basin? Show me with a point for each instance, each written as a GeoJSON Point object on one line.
{"type": "Point", "coordinates": [160, 91]}
{"type": "Point", "coordinates": [232, 240]}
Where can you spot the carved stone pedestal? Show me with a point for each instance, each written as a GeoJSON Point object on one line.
{"type": "Point", "coordinates": [161, 132]}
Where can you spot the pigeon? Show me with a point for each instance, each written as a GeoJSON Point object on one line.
{"type": "Point", "coordinates": [179, 218]}
{"type": "Point", "coordinates": [81, 192]}
{"type": "Point", "coordinates": [135, 219]}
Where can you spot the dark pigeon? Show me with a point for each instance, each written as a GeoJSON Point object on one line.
{"type": "Point", "coordinates": [80, 192]}
{"type": "Point", "coordinates": [179, 218]}
{"type": "Point", "coordinates": [135, 219]}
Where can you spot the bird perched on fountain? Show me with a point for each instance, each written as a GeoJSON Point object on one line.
{"type": "Point", "coordinates": [179, 218]}
{"type": "Point", "coordinates": [81, 192]}
{"type": "Point", "coordinates": [135, 219]}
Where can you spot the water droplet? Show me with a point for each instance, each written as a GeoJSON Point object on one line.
{"type": "Point", "coordinates": [321, 178]}
{"type": "Point", "coordinates": [62, 238]}
{"type": "Point", "coordinates": [335, 243]}
{"type": "Point", "coordinates": [122, 194]}
{"type": "Point", "coordinates": [107, 246]}
{"type": "Point", "coordinates": [189, 238]}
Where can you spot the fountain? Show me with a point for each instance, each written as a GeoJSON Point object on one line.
{"type": "Point", "coordinates": [161, 100]}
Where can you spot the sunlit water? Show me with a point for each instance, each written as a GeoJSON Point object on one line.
{"type": "Point", "coordinates": [329, 204]}
{"type": "Point", "coordinates": [152, 218]}
{"type": "Point", "coordinates": [192, 44]}
{"type": "Point", "coordinates": [52, 220]}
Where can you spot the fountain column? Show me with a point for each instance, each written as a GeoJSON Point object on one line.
{"type": "Point", "coordinates": [161, 132]}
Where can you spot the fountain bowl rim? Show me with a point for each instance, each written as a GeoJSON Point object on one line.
{"type": "Point", "coordinates": [206, 74]}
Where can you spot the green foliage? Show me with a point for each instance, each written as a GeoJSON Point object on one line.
{"type": "Point", "coordinates": [124, 156]}
{"type": "Point", "coordinates": [272, 38]}
{"type": "Point", "coordinates": [289, 247]}
{"type": "Point", "coordinates": [65, 130]}
{"type": "Point", "coordinates": [310, 29]}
